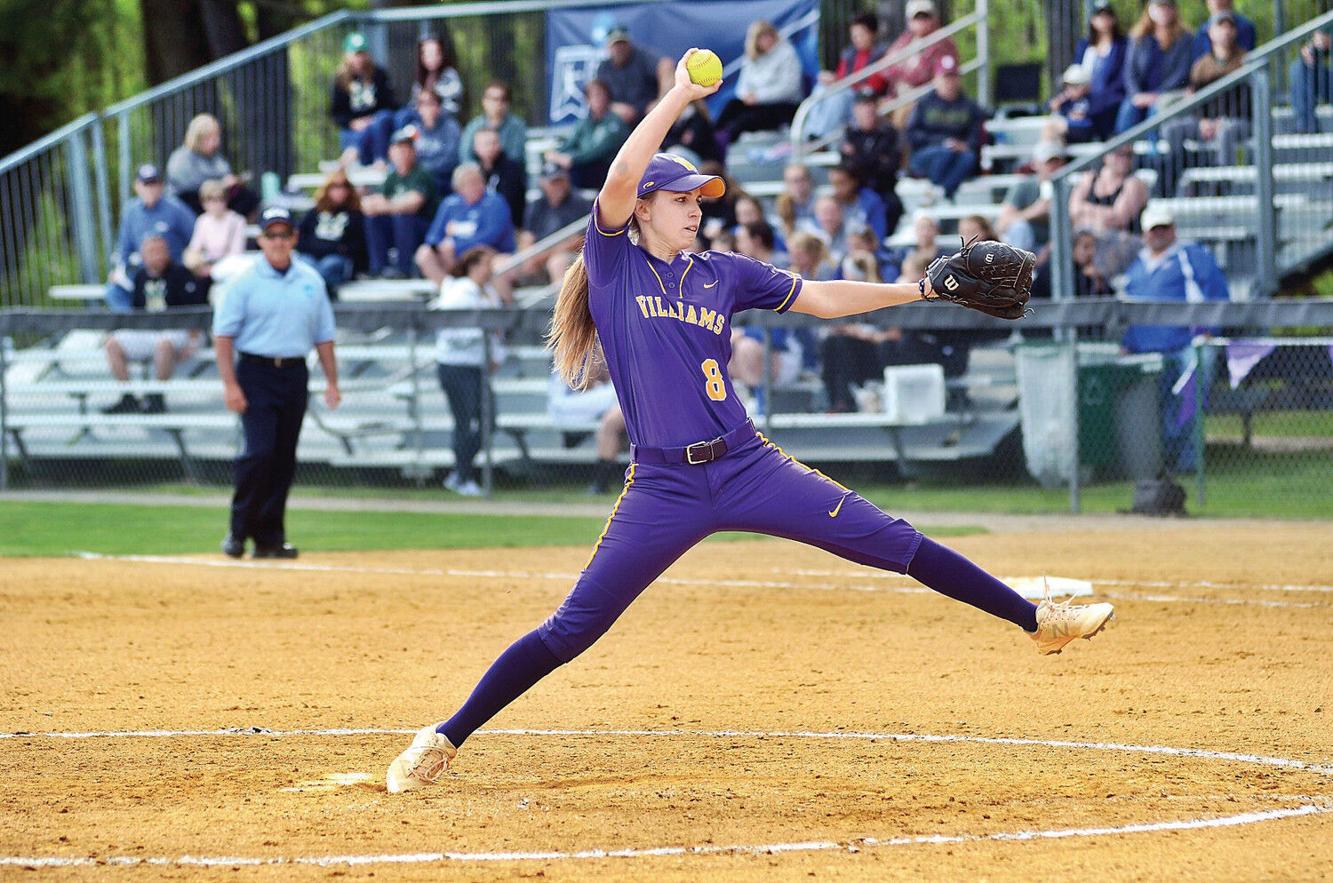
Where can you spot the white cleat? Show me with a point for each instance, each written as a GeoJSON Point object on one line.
{"type": "Point", "coordinates": [1058, 624]}
{"type": "Point", "coordinates": [424, 761]}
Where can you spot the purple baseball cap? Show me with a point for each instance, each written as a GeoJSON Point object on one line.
{"type": "Point", "coordinates": [666, 171]}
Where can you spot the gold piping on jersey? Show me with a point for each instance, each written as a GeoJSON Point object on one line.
{"type": "Point", "coordinates": [660, 284]}
{"type": "Point", "coordinates": [598, 227]}
{"type": "Point", "coordinates": [629, 480]}
{"type": "Point", "coordinates": [681, 293]}
{"type": "Point", "coordinates": [780, 306]}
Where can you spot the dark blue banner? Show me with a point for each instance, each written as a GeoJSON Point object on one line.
{"type": "Point", "coordinates": [575, 40]}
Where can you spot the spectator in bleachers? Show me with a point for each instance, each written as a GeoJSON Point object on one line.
{"type": "Point", "coordinates": [830, 225]}
{"type": "Point", "coordinates": [864, 50]}
{"type": "Point", "coordinates": [1111, 197]}
{"type": "Point", "coordinates": [1071, 116]}
{"type": "Point", "coordinates": [218, 233]}
{"type": "Point", "coordinates": [1157, 64]}
{"type": "Point", "coordinates": [1311, 81]}
{"type": "Point", "coordinates": [861, 206]}
{"type": "Point", "coordinates": [786, 349]}
{"type": "Point", "coordinates": [472, 216]}
{"type": "Point", "coordinates": [361, 92]}
{"type": "Point", "coordinates": [495, 113]}
{"type": "Point", "coordinates": [975, 228]}
{"type": "Point", "coordinates": [460, 357]}
{"type": "Point", "coordinates": [862, 263]}
{"type": "Point", "coordinates": [1170, 270]}
{"type": "Point", "coordinates": [333, 233]}
{"type": "Point", "coordinates": [810, 257]}
{"type": "Point", "coordinates": [436, 72]}
{"type": "Point", "coordinates": [1102, 55]}
{"type": "Point", "coordinates": [923, 19]}
{"type": "Point", "coordinates": [768, 89]}
{"type": "Point", "coordinates": [151, 211]}
{"type": "Point", "coordinates": [586, 152]}
{"type": "Point", "coordinates": [159, 283]}
{"type": "Point", "coordinates": [556, 208]}
{"type": "Point", "coordinates": [1089, 281]}
{"type": "Point", "coordinates": [1222, 122]}
{"type": "Point", "coordinates": [945, 131]}
{"type": "Point", "coordinates": [200, 159]}
{"type": "Point", "coordinates": [634, 76]}
{"type": "Point", "coordinates": [750, 211]}
{"type": "Point", "coordinates": [693, 135]}
{"type": "Point", "coordinates": [571, 409]}
{"type": "Point", "coordinates": [397, 216]}
{"type": "Point", "coordinates": [1246, 38]}
{"type": "Point", "coordinates": [925, 246]}
{"type": "Point", "coordinates": [503, 176]}
{"type": "Point", "coordinates": [437, 139]}
{"type": "Point", "coordinates": [1024, 219]}
{"type": "Point", "coordinates": [795, 205]}
{"type": "Point", "coordinates": [720, 214]}
{"type": "Point", "coordinates": [870, 148]}
{"type": "Point", "coordinates": [723, 240]}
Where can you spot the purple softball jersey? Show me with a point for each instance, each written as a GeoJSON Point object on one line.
{"type": "Point", "coordinates": [666, 331]}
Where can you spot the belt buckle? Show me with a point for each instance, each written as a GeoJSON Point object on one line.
{"type": "Point", "coordinates": [708, 448]}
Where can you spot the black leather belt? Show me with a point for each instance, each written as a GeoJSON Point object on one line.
{"type": "Point", "coordinates": [273, 361]}
{"type": "Point", "coordinates": [695, 454]}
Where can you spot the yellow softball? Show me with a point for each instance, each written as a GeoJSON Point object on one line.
{"type": "Point", "coordinates": [705, 67]}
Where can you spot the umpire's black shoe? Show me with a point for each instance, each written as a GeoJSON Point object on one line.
{"type": "Point", "coordinates": [232, 547]}
{"type": "Point", "coordinates": [286, 550]}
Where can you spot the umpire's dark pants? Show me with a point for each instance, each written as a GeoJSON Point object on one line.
{"type": "Point", "coordinates": [276, 402]}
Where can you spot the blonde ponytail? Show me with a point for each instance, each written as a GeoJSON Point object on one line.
{"type": "Point", "coordinates": [572, 334]}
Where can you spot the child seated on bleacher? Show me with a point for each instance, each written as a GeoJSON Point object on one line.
{"type": "Point", "coordinates": [218, 233]}
{"type": "Point", "coordinates": [1071, 110]}
{"type": "Point", "coordinates": [159, 284]}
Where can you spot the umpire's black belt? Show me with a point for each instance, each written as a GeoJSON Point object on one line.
{"type": "Point", "coordinates": [697, 453]}
{"type": "Point", "coordinates": [274, 361]}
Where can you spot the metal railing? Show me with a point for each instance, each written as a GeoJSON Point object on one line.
{"type": "Point", "coordinates": [833, 91]}
{"type": "Point", "coordinates": [1286, 231]}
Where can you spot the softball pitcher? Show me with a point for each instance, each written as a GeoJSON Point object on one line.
{"type": "Point", "coordinates": [662, 317]}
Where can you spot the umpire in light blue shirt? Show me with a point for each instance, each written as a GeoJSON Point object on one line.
{"type": "Point", "coordinates": [274, 314]}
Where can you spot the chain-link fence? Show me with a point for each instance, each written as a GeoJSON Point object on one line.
{"type": "Point", "coordinates": [942, 399]}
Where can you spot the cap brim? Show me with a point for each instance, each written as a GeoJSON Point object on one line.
{"type": "Point", "coordinates": [711, 185]}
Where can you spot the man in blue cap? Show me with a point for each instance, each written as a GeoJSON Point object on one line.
{"type": "Point", "coordinates": [274, 314]}
{"type": "Point", "coordinates": [152, 213]}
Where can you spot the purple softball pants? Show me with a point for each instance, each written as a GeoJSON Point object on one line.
{"type": "Point", "coordinates": [665, 510]}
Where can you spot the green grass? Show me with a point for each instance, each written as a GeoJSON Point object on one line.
{"type": "Point", "coordinates": [55, 529]}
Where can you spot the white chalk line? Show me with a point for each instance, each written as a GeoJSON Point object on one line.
{"type": "Point", "coordinates": [1315, 806]}
{"type": "Point", "coordinates": [729, 583]}
{"type": "Point", "coordinates": [659, 851]}
{"type": "Point", "coordinates": [1140, 583]}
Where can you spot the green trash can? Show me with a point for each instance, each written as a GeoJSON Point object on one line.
{"type": "Point", "coordinates": [1119, 435]}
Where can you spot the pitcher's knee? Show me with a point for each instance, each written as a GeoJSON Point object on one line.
{"type": "Point", "coordinates": [567, 634]}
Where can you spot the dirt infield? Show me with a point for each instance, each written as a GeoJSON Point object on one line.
{"type": "Point", "coordinates": [765, 711]}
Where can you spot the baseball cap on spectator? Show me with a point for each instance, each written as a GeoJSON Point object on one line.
{"type": "Point", "coordinates": [1103, 6]}
{"type": "Point", "coordinates": [946, 66]}
{"type": "Point", "coordinates": [1045, 151]}
{"type": "Point", "coordinates": [1076, 75]}
{"type": "Point", "coordinates": [617, 34]}
{"type": "Point", "coordinates": [275, 215]}
{"type": "Point", "coordinates": [406, 135]}
{"type": "Point", "coordinates": [355, 42]}
{"type": "Point", "coordinates": [148, 174]}
{"type": "Point", "coordinates": [676, 174]}
{"type": "Point", "coordinates": [1156, 216]}
{"type": "Point", "coordinates": [921, 7]}
{"type": "Point", "coordinates": [552, 170]}
{"type": "Point", "coordinates": [1220, 16]}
